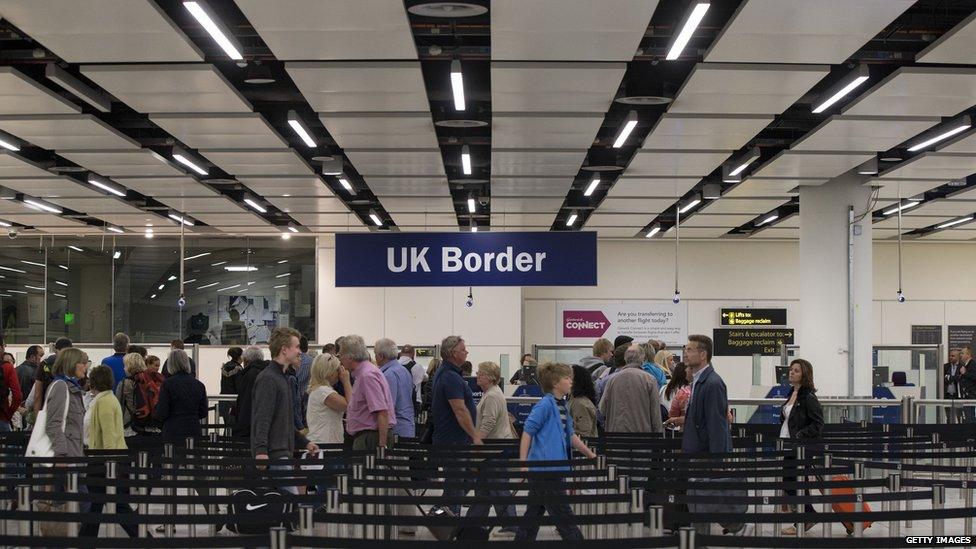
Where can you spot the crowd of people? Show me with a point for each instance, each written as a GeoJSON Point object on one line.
{"type": "Point", "coordinates": [293, 402]}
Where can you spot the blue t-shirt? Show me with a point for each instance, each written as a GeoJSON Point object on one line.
{"type": "Point", "coordinates": [449, 385]}
{"type": "Point", "coordinates": [118, 368]}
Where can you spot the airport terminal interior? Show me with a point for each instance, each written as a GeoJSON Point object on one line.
{"type": "Point", "coordinates": [381, 273]}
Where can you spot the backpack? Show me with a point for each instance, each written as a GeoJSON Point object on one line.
{"type": "Point", "coordinates": [145, 395]}
{"type": "Point", "coordinates": [267, 503]}
{"type": "Point", "coordinates": [413, 391]}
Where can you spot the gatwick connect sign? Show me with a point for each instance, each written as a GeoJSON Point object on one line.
{"type": "Point", "coordinates": [466, 259]}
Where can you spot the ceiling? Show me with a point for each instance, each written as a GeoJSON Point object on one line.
{"type": "Point", "coordinates": [120, 91]}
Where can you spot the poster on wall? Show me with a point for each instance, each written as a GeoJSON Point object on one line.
{"type": "Point", "coordinates": [960, 336]}
{"type": "Point", "coordinates": [750, 341]}
{"type": "Point", "coordinates": [926, 334]}
{"type": "Point", "coordinates": [586, 321]}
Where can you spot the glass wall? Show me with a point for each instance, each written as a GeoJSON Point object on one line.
{"type": "Point", "coordinates": [236, 290]}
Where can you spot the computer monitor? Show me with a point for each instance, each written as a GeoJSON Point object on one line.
{"type": "Point", "coordinates": [880, 376]}
{"type": "Point", "coordinates": [783, 375]}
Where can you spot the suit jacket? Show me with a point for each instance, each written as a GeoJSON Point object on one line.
{"type": "Point", "coordinates": [950, 379]}
{"type": "Point", "coordinates": [967, 381]}
{"type": "Point", "coordinates": [706, 422]}
{"type": "Point", "coordinates": [806, 417]}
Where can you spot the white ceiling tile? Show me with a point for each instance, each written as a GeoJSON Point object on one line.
{"type": "Point", "coordinates": [745, 88]}
{"type": "Point", "coordinates": [759, 187]}
{"type": "Point", "coordinates": [333, 29]}
{"type": "Point", "coordinates": [702, 131]}
{"type": "Point", "coordinates": [501, 205]}
{"type": "Point", "coordinates": [408, 186]}
{"type": "Point", "coordinates": [51, 187]}
{"type": "Point", "coordinates": [862, 133]}
{"type": "Point", "coordinates": [811, 164]}
{"type": "Point", "coordinates": [932, 165]}
{"type": "Point", "coordinates": [11, 166]}
{"type": "Point", "coordinates": [544, 131]}
{"type": "Point", "coordinates": [951, 234]}
{"type": "Point", "coordinates": [309, 205]}
{"type": "Point", "coordinates": [139, 220]}
{"type": "Point", "coordinates": [328, 219]}
{"type": "Point", "coordinates": [381, 130]}
{"type": "Point", "coordinates": [367, 86]}
{"type": "Point", "coordinates": [244, 219]}
{"type": "Point", "coordinates": [950, 207]}
{"type": "Point", "coordinates": [166, 186]}
{"type": "Point", "coordinates": [742, 206]}
{"type": "Point", "coordinates": [554, 87]}
{"type": "Point", "coordinates": [521, 162]}
{"type": "Point", "coordinates": [708, 219]}
{"type": "Point", "coordinates": [658, 187]}
{"type": "Point", "coordinates": [416, 204]}
{"type": "Point", "coordinates": [433, 228]}
{"type": "Point", "coordinates": [785, 233]}
{"type": "Point", "coordinates": [168, 88]}
{"type": "Point", "coordinates": [95, 205]}
{"type": "Point", "coordinates": [647, 206]}
{"type": "Point", "coordinates": [220, 131]}
{"type": "Point", "coordinates": [420, 162]}
{"type": "Point", "coordinates": [516, 229]}
{"type": "Point", "coordinates": [676, 162]}
{"type": "Point", "coordinates": [616, 232]}
{"type": "Point", "coordinates": [425, 219]}
{"type": "Point", "coordinates": [955, 46]}
{"type": "Point", "coordinates": [918, 91]}
{"type": "Point", "coordinates": [143, 162]}
{"type": "Point", "coordinates": [505, 219]}
{"type": "Point", "coordinates": [20, 94]}
{"type": "Point", "coordinates": [43, 220]}
{"type": "Point", "coordinates": [693, 232]}
{"type": "Point", "coordinates": [67, 131]}
{"type": "Point", "coordinates": [802, 31]}
{"type": "Point", "coordinates": [530, 186]}
{"type": "Point", "coordinates": [286, 185]}
{"type": "Point", "coordinates": [630, 220]}
{"type": "Point", "coordinates": [102, 31]}
{"type": "Point", "coordinates": [196, 206]}
{"type": "Point", "coordinates": [910, 221]}
{"type": "Point", "coordinates": [904, 188]}
{"type": "Point", "coordinates": [258, 161]}
{"type": "Point", "coordinates": [554, 30]}
{"type": "Point", "coordinates": [965, 144]}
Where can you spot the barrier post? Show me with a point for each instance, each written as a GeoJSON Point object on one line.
{"type": "Point", "coordinates": [858, 499]}
{"type": "Point", "coordinates": [191, 445]}
{"type": "Point", "coordinates": [357, 474]}
{"type": "Point", "coordinates": [637, 506]}
{"type": "Point", "coordinates": [623, 487]}
{"type": "Point", "coordinates": [332, 509]}
{"type": "Point", "coordinates": [938, 502]}
{"type": "Point", "coordinates": [686, 538]}
{"type": "Point", "coordinates": [24, 504]}
{"type": "Point", "coordinates": [71, 487]}
{"type": "Point", "coordinates": [602, 528]}
{"type": "Point", "coordinates": [169, 530]}
{"type": "Point", "coordinates": [279, 538]}
{"type": "Point", "coordinates": [306, 520]}
{"type": "Point", "coordinates": [655, 521]}
{"type": "Point", "coordinates": [894, 486]}
{"type": "Point", "coordinates": [211, 508]}
{"type": "Point", "coordinates": [826, 525]}
{"type": "Point", "coordinates": [801, 454]}
{"type": "Point", "coordinates": [967, 497]}
{"type": "Point", "coordinates": [369, 508]}
{"type": "Point", "coordinates": [111, 508]}
{"type": "Point", "coordinates": [906, 409]}
{"type": "Point", "coordinates": [142, 462]}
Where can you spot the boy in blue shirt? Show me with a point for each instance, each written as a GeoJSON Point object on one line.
{"type": "Point", "coordinates": [548, 436]}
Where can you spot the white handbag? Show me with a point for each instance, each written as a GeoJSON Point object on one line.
{"type": "Point", "coordinates": [40, 444]}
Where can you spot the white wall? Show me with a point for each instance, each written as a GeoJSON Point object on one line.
{"type": "Point", "coordinates": [937, 278]}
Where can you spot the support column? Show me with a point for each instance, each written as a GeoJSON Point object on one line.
{"type": "Point", "coordinates": [836, 286]}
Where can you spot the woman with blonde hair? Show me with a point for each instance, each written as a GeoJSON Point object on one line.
{"type": "Point", "coordinates": [325, 405]}
{"type": "Point", "coordinates": [665, 360]}
{"type": "Point", "coordinates": [125, 391]}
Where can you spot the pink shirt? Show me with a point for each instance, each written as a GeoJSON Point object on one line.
{"type": "Point", "coordinates": [370, 394]}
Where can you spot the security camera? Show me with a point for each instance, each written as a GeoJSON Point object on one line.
{"type": "Point", "coordinates": [677, 298]}
{"type": "Point", "coordinates": [469, 303]}
{"type": "Point", "coordinates": [901, 297]}
{"type": "Point", "coordinates": [12, 234]}
{"type": "Point", "coordinates": [483, 200]}
{"type": "Point", "coordinates": [181, 302]}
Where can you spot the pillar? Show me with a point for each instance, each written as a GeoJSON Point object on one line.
{"type": "Point", "coordinates": [836, 285]}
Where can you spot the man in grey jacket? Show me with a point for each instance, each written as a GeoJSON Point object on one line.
{"type": "Point", "coordinates": [602, 352]}
{"type": "Point", "coordinates": [631, 401]}
{"type": "Point", "coordinates": [273, 433]}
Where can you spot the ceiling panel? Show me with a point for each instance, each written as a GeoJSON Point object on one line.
{"type": "Point", "coordinates": [194, 206]}
{"type": "Point", "coordinates": [286, 186]}
{"type": "Point", "coordinates": [931, 165]}
{"type": "Point", "coordinates": [330, 219]}
{"type": "Point", "coordinates": [244, 220]}
{"type": "Point", "coordinates": [955, 46]}
{"type": "Point", "coordinates": [802, 31]}
{"type": "Point", "coordinates": [168, 88]}
{"type": "Point", "coordinates": [544, 131]}
{"type": "Point", "coordinates": [952, 234]}
{"type": "Point", "coordinates": [51, 187]}
{"type": "Point", "coordinates": [247, 229]}
{"type": "Point", "coordinates": [777, 233]}
{"type": "Point", "coordinates": [521, 221]}
{"type": "Point", "coordinates": [616, 232]}
{"type": "Point", "coordinates": [553, 30]}
{"type": "Point", "coordinates": [691, 131]}
{"type": "Point", "coordinates": [425, 219]}
{"type": "Point", "coordinates": [434, 228]}
{"type": "Point", "coordinates": [904, 188]}
{"type": "Point", "coordinates": [554, 87]}
{"type": "Point", "coordinates": [515, 229]}
{"type": "Point", "coordinates": [676, 162]}
{"type": "Point", "coordinates": [966, 144]}
{"type": "Point", "coordinates": [366, 86]}
{"type": "Point", "coordinates": [418, 204]}
{"type": "Point", "coordinates": [910, 221]}
{"type": "Point", "coordinates": [525, 205]}
{"type": "Point", "coordinates": [140, 220]}
{"type": "Point", "coordinates": [11, 166]}
{"type": "Point", "coordinates": [408, 186]}
{"type": "Point", "coordinates": [143, 162]}
{"type": "Point", "coordinates": [20, 94]}
{"type": "Point", "coordinates": [647, 206]}
{"type": "Point", "coordinates": [67, 131]}
{"type": "Point", "coordinates": [699, 232]}
{"type": "Point", "coordinates": [101, 31]}
{"type": "Point", "coordinates": [630, 220]}
{"type": "Point", "coordinates": [757, 187]}
{"type": "Point", "coordinates": [918, 91]}
{"type": "Point", "coordinates": [530, 186]}
{"type": "Point", "coordinates": [812, 164]}
{"type": "Point", "coordinates": [258, 161]}
{"type": "Point", "coordinates": [745, 88]}
{"type": "Point", "coordinates": [863, 133]}
{"type": "Point", "coordinates": [309, 205]}
{"type": "Point", "coordinates": [522, 162]}
{"type": "Point", "coordinates": [422, 162]}
{"type": "Point", "coordinates": [220, 131]}
{"type": "Point", "coordinates": [95, 205]}
{"type": "Point", "coordinates": [708, 219]}
{"type": "Point", "coordinates": [43, 220]}
{"type": "Point", "coordinates": [333, 29]}
{"type": "Point", "coordinates": [166, 186]}
{"type": "Point", "coordinates": [382, 130]}
{"type": "Point", "coordinates": [753, 206]}
{"type": "Point", "coordinates": [672, 187]}
{"type": "Point", "coordinates": [953, 207]}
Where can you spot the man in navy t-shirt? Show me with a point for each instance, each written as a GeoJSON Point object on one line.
{"type": "Point", "coordinates": [120, 343]}
{"type": "Point", "coordinates": [453, 405]}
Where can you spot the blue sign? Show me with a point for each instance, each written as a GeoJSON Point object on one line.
{"type": "Point", "coordinates": [466, 259]}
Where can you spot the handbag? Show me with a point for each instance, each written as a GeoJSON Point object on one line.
{"type": "Point", "coordinates": [40, 444]}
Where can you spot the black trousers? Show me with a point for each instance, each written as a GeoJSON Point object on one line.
{"type": "Point", "coordinates": [808, 508]}
{"type": "Point", "coordinates": [90, 529]}
{"type": "Point", "coordinates": [553, 492]}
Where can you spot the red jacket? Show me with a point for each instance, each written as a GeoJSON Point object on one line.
{"type": "Point", "coordinates": [15, 394]}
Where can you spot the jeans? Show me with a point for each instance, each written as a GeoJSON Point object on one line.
{"type": "Point", "coordinates": [552, 492]}
{"type": "Point", "coordinates": [5, 427]}
{"type": "Point", "coordinates": [287, 467]}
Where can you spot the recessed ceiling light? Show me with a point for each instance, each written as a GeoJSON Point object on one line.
{"type": "Point", "coordinates": [654, 230]}
{"type": "Point", "coordinates": [629, 124]}
{"type": "Point", "coordinates": [572, 219]}
{"type": "Point", "coordinates": [594, 183]}
{"type": "Point", "coordinates": [768, 219]}
{"type": "Point", "coordinates": [298, 126]}
{"type": "Point", "coordinates": [838, 91]}
{"type": "Point", "coordinates": [181, 219]}
{"type": "Point", "coordinates": [954, 127]}
{"type": "Point", "coordinates": [161, 286]}
{"type": "Point", "coordinates": [229, 287]}
{"type": "Point", "coordinates": [345, 184]}
{"type": "Point", "coordinates": [285, 236]}
{"type": "Point", "coordinates": [457, 85]}
{"type": "Point", "coordinates": [39, 204]}
{"type": "Point", "coordinates": [253, 203]}
{"type": "Point", "coordinates": [466, 159]}
{"type": "Point", "coordinates": [691, 23]}
{"type": "Point", "coordinates": [202, 13]}
{"type": "Point", "coordinates": [451, 10]}
{"type": "Point", "coordinates": [472, 205]}
{"type": "Point", "coordinates": [690, 203]}
{"type": "Point", "coordinates": [375, 218]}
{"type": "Point", "coordinates": [205, 286]}
{"type": "Point", "coordinates": [955, 222]}
{"type": "Point", "coordinates": [461, 123]}
{"type": "Point", "coordinates": [901, 207]}
{"type": "Point", "coordinates": [36, 264]}
{"type": "Point", "coordinates": [204, 254]}
{"type": "Point", "coordinates": [185, 159]}
{"type": "Point", "coordinates": [240, 268]}
{"type": "Point", "coordinates": [8, 142]}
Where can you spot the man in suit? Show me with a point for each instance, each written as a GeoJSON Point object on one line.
{"type": "Point", "coordinates": [950, 375]}
{"type": "Point", "coordinates": [967, 380]}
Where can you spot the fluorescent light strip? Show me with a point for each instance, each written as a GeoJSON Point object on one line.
{"type": "Point", "coordinates": [17, 291]}
{"type": "Point", "coordinates": [181, 219]}
{"type": "Point", "coordinates": [956, 222]}
{"type": "Point", "coordinates": [171, 278]}
{"type": "Point", "coordinates": [625, 132]}
{"type": "Point", "coordinates": [6, 295]}
{"type": "Point", "coordinates": [252, 203]}
{"type": "Point", "coordinates": [942, 136]}
{"type": "Point", "coordinates": [466, 163]}
{"type": "Point", "coordinates": [743, 166]}
{"type": "Point", "coordinates": [202, 17]}
{"type": "Point", "coordinates": [205, 286]}
{"type": "Point", "coordinates": [285, 236]}
{"type": "Point", "coordinates": [345, 184]}
{"type": "Point", "coordinates": [592, 187]}
{"type": "Point", "coordinates": [29, 287]}
{"type": "Point", "coordinates": [11, 269]}
{"type": "Point", "coordinates": [376, 219]}
{"type": "Point", "coordinates": [8, 145]}
{"type": "Point", "coordinates": [904, 206]}
{"type": "Point", "coordinates": [76, 248]}
{"type": "Point", "coordinates": [5, 224]}
{"type": "Point", "coordinates": [161, 286]}
{"type": "Point", "coordinates": [152, 296]}
{"type": "Point", "coordinates": [58, 282]}
{"type": "Point", "coordinates": [840, 94]}
{"type": "Point", "coordinates": [474, 228]}
{"type": "Point", "coordinates": [229, 287]}
{"type": "Point", "coordinates": [770, 219]}
{"type": "Point", "coordinates": [116, 255]}
{"type": "Point", "coordinates": [282, 261]}
{"type": "Point", "coordinates": [299, 129]}
{"type": "Point", "coordinates": [61, 296]}
{"type": "Point", "coordinates": [457, 85]}
{"type": "Point", "coordinates": [218, 264]}
{"type": "Point", "coordinates": [189, 281]}
{"type": "Point", "coordinates": [471, 205]}
{"type": "Point", "coordinates": [240, 268]}
{"type": "Point", "coordinates": [92, 180]}
{"type": "Point", "coordinates": [115, 230]}
{"type": "Point", "coordinates": [42, 206]}
{"type": "Point", "coordinates": [189, 164]}
{"type": "Point", "coordinates": [204, 254]}
{"type": "Point", "coordinates": [689, 205]}
{"type": "Point", "coordinates": [293, 229]}
{"type": "Point", "coordinates": [697, 14]}
{"type": "Point", "coordinates": [32, 263]}
{"type": "Point", "coordinates": [572, 219]}
{"type": "Point", "coordinates": [283, 275]}
{"type": "Point", "coordinates": [281, 286]}
{"type": "Point", "coordinates": [65, 267]}
{"type": "Point", "coordinates": [653, 232]}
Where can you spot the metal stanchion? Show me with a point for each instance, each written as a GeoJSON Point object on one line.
{"type": "Point", "coordinates": [637, 506]}
{"type": "Point", "coordinates": [142, 508]}
{"type": "Point", "coordinates": [623, 487]}
{"type": "Point", "coordinates": [111, 508]}
{"type": "Point", "coordinates": [655, 521]}
{"type": "Point", "coordinates": [190, 445]}
{"type": "Point", "coordinates": [894, 486]}
{"type": "Point", "coordinates": [909, 433]}
{"type": "Point", "coordinates": [602, 528]}
{"type": "Point", "coordinates": [967, 494]}
{"type": "Point", "coordinates": [826, 525]}
{"type": "Point", "coordinates": [71, 487]}
{"type": "Point", "coordinates": [332, 509]}
{"type": "Point", "coordinates": [938, 503]}
{"type": "Point", "coordinates": [306, 520]}
{"type": "Point", "coordinates": [686, 538]}
{"type": "Point", "coordinates": [24, 504]}
{"type": "Point", "coordinates": [169, 530]}
{"type": "Point", "coordinates": [211, 508]}
{"type": "Point", "coordinates": [858, 499]}
{"type": "Point", "coordinates": [801, 454]}
{"type": "Point", "coordinates": [279, 538]}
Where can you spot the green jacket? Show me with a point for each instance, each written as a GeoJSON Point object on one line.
{"type": "Point", "coordinates": [105, 431]}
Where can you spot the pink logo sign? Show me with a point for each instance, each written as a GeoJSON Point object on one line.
{"type": "Point", "coordinates": [584, 324]}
